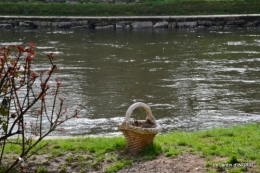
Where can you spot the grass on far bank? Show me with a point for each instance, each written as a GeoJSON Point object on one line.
{"type": "Point", "coordinates": [238, 144]}
{"type": "Point", "coordinates": [146, 8]}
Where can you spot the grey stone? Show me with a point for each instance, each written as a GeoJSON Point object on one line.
{"type": "Point", "coordinates": [72, 2]}
{"type": "Point", "coordinates": [206, 23]}
{"type": "Point", "coordinates": [230, 22]}
{"type": "Point", "coordinates": [80, 27]}
{"type": "Point", "coordinates": [252, 24]}
{"type": "Point", "coordinates": [161, 25]}
{"type": "Point", "coordinates": [23, 24]}
{"type": "Point", "coordinates": [229, 26]}
{"type": "Point", "coordinates": [236, 22]}
{"type": "Point", "coordinates": [63, 24]}
{"type": "Point", "coordinates": [215, 27]}
{"type": "Point", "coordinates": [119, 26]}
{"type": "Point", "coordinates": [42, 23]}
{"type": "Point", "coordinates": [103, 23]}
{"type": "Point", "coordinates": [201, 27]}
{"type": "Point", "coordinates": [123, 24]}
{"type": "Point", "coordinates": [105, 27]}
{"type": "Point", "coordinates": [6, 22]}
{"type": "Point", "coordinates": [172, 25]}
{"type": "Point", "coordinates": [218, 23]}
{"type": "Point", "coordinates": [257, 22]}
{"type": "Point", "coordinates": [83, 22]}
{"type": "Point", "coordinates": [239, 22]}
{"type": "Point", "coordinates": [187, 24]}
{"type": "Point", "coordinates": [55, 24]}
{"type": "Point", "coordinates": [147, 24]}
{"type": "Point", "coordinates": [7, 26]}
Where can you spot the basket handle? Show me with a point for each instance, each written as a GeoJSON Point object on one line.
{"type": "Point", "coordinates": [147, 109]}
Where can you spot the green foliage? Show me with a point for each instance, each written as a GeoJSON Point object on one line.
{"type": "Point", "coordinates": [171, 152]}
{"type": "Point", "coordinates": [232, 160]}
{"type": "Point", "coordinates": [117, 166]}
{"type": "Point", "coordinates": [41, 169]}
{"type": "Point", "coordinates": [151, 151]}
{"type": "Point", "coordinates": [12, 148]}
{"type": "Point", "coordinates": [95, 145]}
{"type": "Point", "coordinates": [182, 143]}
{"type": "Point", "coordinates": [64, 169]}
{"type": "Point", "coordinates": [240, 140]}
{"type": "Point", "coordinates": [4, 112]}
{"type": "Point", "coordinates": [149, 7]}
{"type": "Point", "coordinates": [69, 158]}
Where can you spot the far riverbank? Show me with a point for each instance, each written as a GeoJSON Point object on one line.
{"type": "Point", "coordinates": [127, 22]}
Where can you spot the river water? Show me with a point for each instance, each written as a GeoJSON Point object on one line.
{"type": "Point", "coordinates": [191, 79]}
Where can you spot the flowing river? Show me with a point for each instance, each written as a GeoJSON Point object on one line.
{"type": "Point", "coordinates": [191, 79]}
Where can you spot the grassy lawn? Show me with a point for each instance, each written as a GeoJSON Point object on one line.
{"type": "Point", "coordinates": [147, 8]}
{"type": "Point", "coordinates": [238, 144]}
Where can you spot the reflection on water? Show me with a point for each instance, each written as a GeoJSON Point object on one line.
{"type": "Point", "coordinates": [191, 79]}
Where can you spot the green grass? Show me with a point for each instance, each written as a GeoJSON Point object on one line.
{"type": "Point", "coordinates": [117, 166]}
{"type": "Point", "coordinates": [242, 141]}
{"type": "Point", "coordinates": [238, 144]}
{"type": "Point", "coordinates": [42, 169]}
{"type": "Point", "coordinates": [149, 7]}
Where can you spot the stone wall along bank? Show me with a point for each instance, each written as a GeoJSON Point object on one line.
{"type": "Point", "coordinates": [198, 22]}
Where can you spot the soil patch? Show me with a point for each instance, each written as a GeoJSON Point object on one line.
{"type": "Point", "coordinates": [183, 163]}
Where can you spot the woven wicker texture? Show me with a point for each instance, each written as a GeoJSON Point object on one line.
{"type": "Point", "coordinates": [141, 133]}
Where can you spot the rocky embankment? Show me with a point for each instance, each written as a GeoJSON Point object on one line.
{"type": "Point", "coordinates": [125, 22]}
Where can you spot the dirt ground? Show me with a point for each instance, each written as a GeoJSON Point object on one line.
{"type": "Point", "coordinates": [184, 163]}
{"type": "Point", "coordinates": [181, 164]}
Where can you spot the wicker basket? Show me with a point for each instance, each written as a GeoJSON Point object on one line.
{"type": "Point", "coordinates": [141, 133]}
